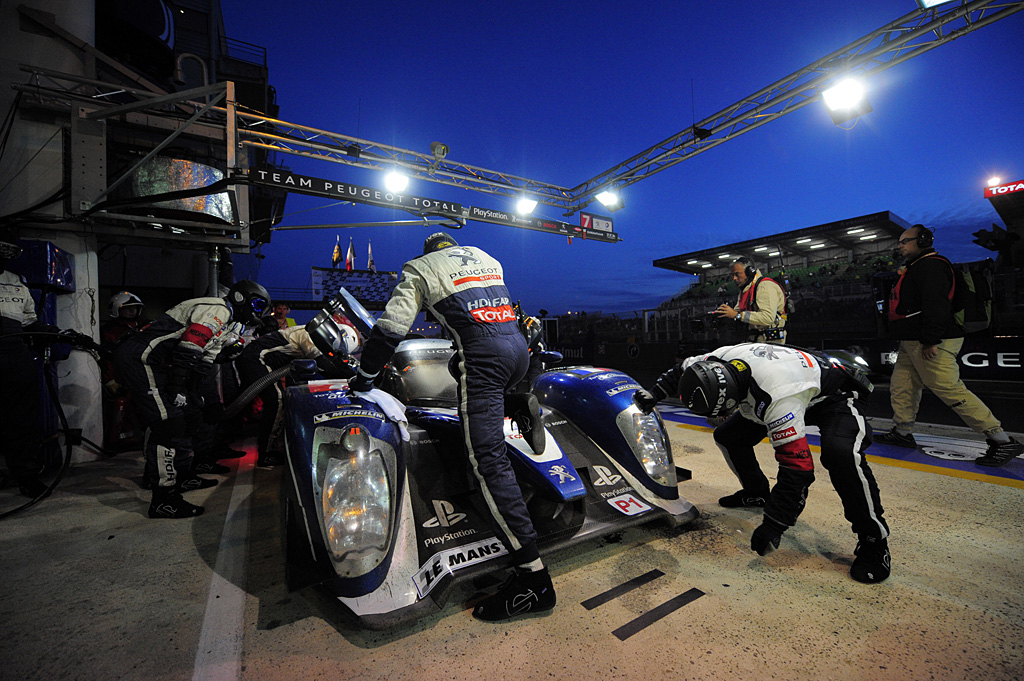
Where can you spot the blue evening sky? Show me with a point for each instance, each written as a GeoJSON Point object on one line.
{"type": "Point", "coordinates": [561, 91]}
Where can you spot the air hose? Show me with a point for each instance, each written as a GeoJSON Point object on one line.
{"type": "Point", "coordinates": [258, 386]}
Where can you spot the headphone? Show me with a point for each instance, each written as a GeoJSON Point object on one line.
{"type": "Point", "coordinates": [749, 268]}
{"type": "Point", "coordinates": [925, 237]}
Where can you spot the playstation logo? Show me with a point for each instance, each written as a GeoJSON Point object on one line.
{"type": "Point", "coordinates": [605, 477]}
{"type": "Point", "coordinates": [444, 515]}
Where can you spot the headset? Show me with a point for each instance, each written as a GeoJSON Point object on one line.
{"type": "Point", "coordinates": [749, 268]}
{"type": "Point", "coordinates": [925, 236]}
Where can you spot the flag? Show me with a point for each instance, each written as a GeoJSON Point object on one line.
{"type": "Point", "coordinates": [336, 258]}
{"type": "Point", "coordinates": [350, 259]}
{"type": "Point", "coordinates": [369, 265]}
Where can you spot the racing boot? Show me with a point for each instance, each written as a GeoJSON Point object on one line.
{"type": "Point", "coordinates": [194, 482]}
{"type": "Point", "coordinates": [895, 437]}
{"type": "Point", "coordinates": [744, 499]}
{"type": "Point", "coordinates": [873, 562]}
{"type": "Point", "coordinates": [168, 503]}
{"type": "Point", "coordinates": [524, 592]}
{"type": "Point", "coordinates": [209, 467]}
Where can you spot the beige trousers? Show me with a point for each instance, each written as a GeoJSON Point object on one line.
{"type": "Point", "coordinates": [941, 375]}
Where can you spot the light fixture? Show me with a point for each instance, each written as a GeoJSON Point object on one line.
{"type": "Point", "coordinates": [609, 199]}
{"type": "Point", "coordinates": [724, 256]}
{"type": "Point", "coordinates": [813, 246]}
{"type": "Point", "coordinates": [845, 100]}
{"type": "Point", "coordinates": [773, 253]}
{"type": "Point", "coordinates": [706, 265]}
{"type": "Point", "coordinates": [525, 205]}
{"type": "Point", "coordinates": [804, 241]}
{"type": "Point", "coordinates": [439, 151]}
{"type": "Point", "coordinates": [692, 262]}
{"type": "Point", "coordinates": [855, 231]}
{"type": "Point", "coordinates": [993, 181]}
{"type": "Point", "coordinates": [759, 249]}
{"type": "Point", "coordinates": [928, 4]}
{"type": "Point", "coordinates": [868, 237]}
{"type": "Point", "coordinates": [396, 181]}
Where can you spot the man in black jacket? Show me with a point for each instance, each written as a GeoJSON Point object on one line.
{"type": "Point", "coordinates": [921, 308]}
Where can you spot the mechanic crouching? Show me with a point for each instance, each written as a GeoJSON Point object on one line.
{"type": "Point", "coordinates": [464, 289]}
{"type": "Point", "coordinates": [163, 366]}
{"type": "Point", "coordinates": [761, 389]}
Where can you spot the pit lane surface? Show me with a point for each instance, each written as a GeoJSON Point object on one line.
{"type": "Point", "coordinates": [95, 590]}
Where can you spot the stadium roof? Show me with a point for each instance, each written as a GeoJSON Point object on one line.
{"type": "Point", "coordinates": [873, 234]}
{"type": "Point", "coordinates": [1008, 200]}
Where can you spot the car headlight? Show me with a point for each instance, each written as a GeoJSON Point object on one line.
{"type": "Point", "coordinates": [356, 490]}
{"type": "Point", "coordinates": [646, 437]}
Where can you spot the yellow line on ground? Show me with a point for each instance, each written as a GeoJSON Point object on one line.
{"type": "Point", "coordinates": [927, 468]}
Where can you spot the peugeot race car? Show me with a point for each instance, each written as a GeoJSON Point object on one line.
{"type": "Point", "coordinates": [387, 526]}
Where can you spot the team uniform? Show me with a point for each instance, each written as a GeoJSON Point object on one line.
{"type": "Point", "coordinates": [464, 289]}
{"type": "Point", "coordinates": [762, 305]}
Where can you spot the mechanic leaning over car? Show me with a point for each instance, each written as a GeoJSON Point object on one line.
{"type": "Point", "coordinates": [163, 366]}
{"type": "Point", "coordinates": [760, 389]}
{"type": "Point", "coordinates": [19, 381]}
{"type": "Point", "coordinates": [464, 289]}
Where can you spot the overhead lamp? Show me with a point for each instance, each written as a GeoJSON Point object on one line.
{"type": "Point", "coordinates": [760, 249]}
{"type": "Point", "coordinates": [609, 199]}
{"type": "Point", "coordinates": [692, 262]}
{"type": "Point", "coordinates": [804, 241]}
{"type": "Point", "coordinates": [773, 253]}
{"type": "Point", "coordinates": [525, 205]}
{"type": "Point", "coordinates": [845, 100]}
{"type": "Point", "coordinates": [928, 4]}
{"type": "Point", "coordinates": [724, 256]}
{"type": "Point", "coordinates": [813, 246]}
{"type": "Point", "coordinates": [396, 181]}
{"type": "Point", "coordinates": [868, 237]}
{"type": "Point", "coordinates": [993, 181]}
{"type": "Point", "coordinates": [706, 265]}
{"type": "Point", "coordinates": [855, 231]}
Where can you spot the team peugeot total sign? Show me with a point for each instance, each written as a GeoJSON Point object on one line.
{"type": "Point", "coordinates": [316, 186]}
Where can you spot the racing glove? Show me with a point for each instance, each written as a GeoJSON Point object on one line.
{"type": "Point", "coordinates": [645, 400]}
{"type": "Point", "coordinates": [361, 383]}
{"type": "Point", "coordinates": [767, 536]}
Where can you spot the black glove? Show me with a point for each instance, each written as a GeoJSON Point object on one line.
{"type": "Point", "coordinates": [361, 383]}
{"type": "Point", "coordinates": [648, 400]}
{"type": "Point", "coordinates": [767, 536]}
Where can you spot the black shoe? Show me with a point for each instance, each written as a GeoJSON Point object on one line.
{"type": "Point", "coordinates": [269, 460]}
{"type": "Point", "coordinates": [33, 488]}
{"type": "Point", "coordinates": [169, 504]}
{"type": "Point", "coordinates": [1000, 453]}
{"type": "Point", "coordinates": [210, 468]}
{"type": "Point", "coordinates": [228, 453]}
{"type": "Point", "coordinates": [194, 482]}
{"type": "Point", "coordinates": [873, 562]}
{"type": "Point", "coordinates": [894, 437]}
{"type": "Point", "coordinates": [744, 499]}
{"type": "Point", "coordinates": [523, 593]}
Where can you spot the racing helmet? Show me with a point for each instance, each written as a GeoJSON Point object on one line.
{"type": "Point", "coordinates": [248, 300]}
{"type": "Point", "coordinates": [437, 241]}
{"type": "Point", "coordinates": [125, 302]}
{"type": "Point", "coordinates": [713, 387]}
{"type": "Point", "coordinates": [349, 341]}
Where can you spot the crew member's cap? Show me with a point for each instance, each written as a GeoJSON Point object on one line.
{"type": "Point", "coordinates": [437, 241]}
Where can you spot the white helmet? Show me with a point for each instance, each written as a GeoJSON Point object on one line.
{"type": "Point", "coordinates": [122, 300]}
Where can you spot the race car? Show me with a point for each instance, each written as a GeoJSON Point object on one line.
{"type": "Point", "coordinates": [388, 525]}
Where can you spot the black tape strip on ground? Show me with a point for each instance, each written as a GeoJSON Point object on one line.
{"type": "Point", "coordinates": [617, 591]}
{"type": "Point", "coordinates": [649, 618]}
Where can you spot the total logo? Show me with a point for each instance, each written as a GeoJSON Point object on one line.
{"type": "Point", "coordinates": [605, 477]}
{"type": "Point", "coordinates": [445, 515]}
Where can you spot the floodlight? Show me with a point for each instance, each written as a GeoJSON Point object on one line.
{"type": "Point", "coordinates": [525, 205]}
{"type": "Point", "coordinates": [438, 150]}
{"type": "Point", "coordinates": [928, 4]}
{"type": "Point", "coordinates": [773, 253]}
{"type": "Point", "coordinates": [813, 246]}
{"type": "Point", "coordinates": [759, 249]}
{"type": "Point", "coordinates": [993, 181]}
{"type": "Point", "coordinates": [804, 241]}
{"type": "Point", "coordinates": [724, 256]}
{"type": "Point", "coordinates": [609, 200]}
{"type": "Point", "coordinates": [868, 237]}
{"type": "Point", "coordinates": [706, 265]}
{"type": "Point", "coordinates": [845, 100]}
{"type": "Point", "coordinates": [692, 262]}
{"type": "Point", "coordinates": [396, 181]}
{"type": "Point", "coordinates": [855, 231]}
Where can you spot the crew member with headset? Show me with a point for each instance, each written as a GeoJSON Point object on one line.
{"type": "Point", "coordinates": [19, 380]}
{"type": "Point", "coordinates": [464, 289]}
{"type": "Point", "coordinates": [161, 367]}
{"type": "Point", "coordinates": [761, 304]}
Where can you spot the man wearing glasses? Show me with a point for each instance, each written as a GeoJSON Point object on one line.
{"type": "Point", "coordinates": [761, 304]}
{"type": "Point", "coordinates": [920, 309]}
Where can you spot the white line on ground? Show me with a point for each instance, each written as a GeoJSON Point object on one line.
{"type": "Point", "coordinates": [219, 653]}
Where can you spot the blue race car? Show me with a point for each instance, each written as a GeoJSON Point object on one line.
{"type": "Point", "coordinates": [388, 526]}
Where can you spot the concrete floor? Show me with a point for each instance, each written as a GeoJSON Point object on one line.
{"type": "Point", "coordinates": [93, 589]}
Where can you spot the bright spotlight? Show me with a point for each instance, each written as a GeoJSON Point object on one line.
{"type": "Point", "coordinates": [928, 4]}
{"type": "Point", "coordinates": [396, 182]}
{"type": "Point", "coordinates": [609, 200]}
{"type": "Point", "coordinates": [845, 100]}
{"type": "Point", "coordinates": [525, 205]}
{"type": "Point", "coordinates": [993, 181]}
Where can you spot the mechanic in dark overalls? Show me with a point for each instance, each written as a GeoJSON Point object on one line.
{"type": "Point", "coordinates": [163, 366]}
{"type": "Point", "coordinates": [464, 289]}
